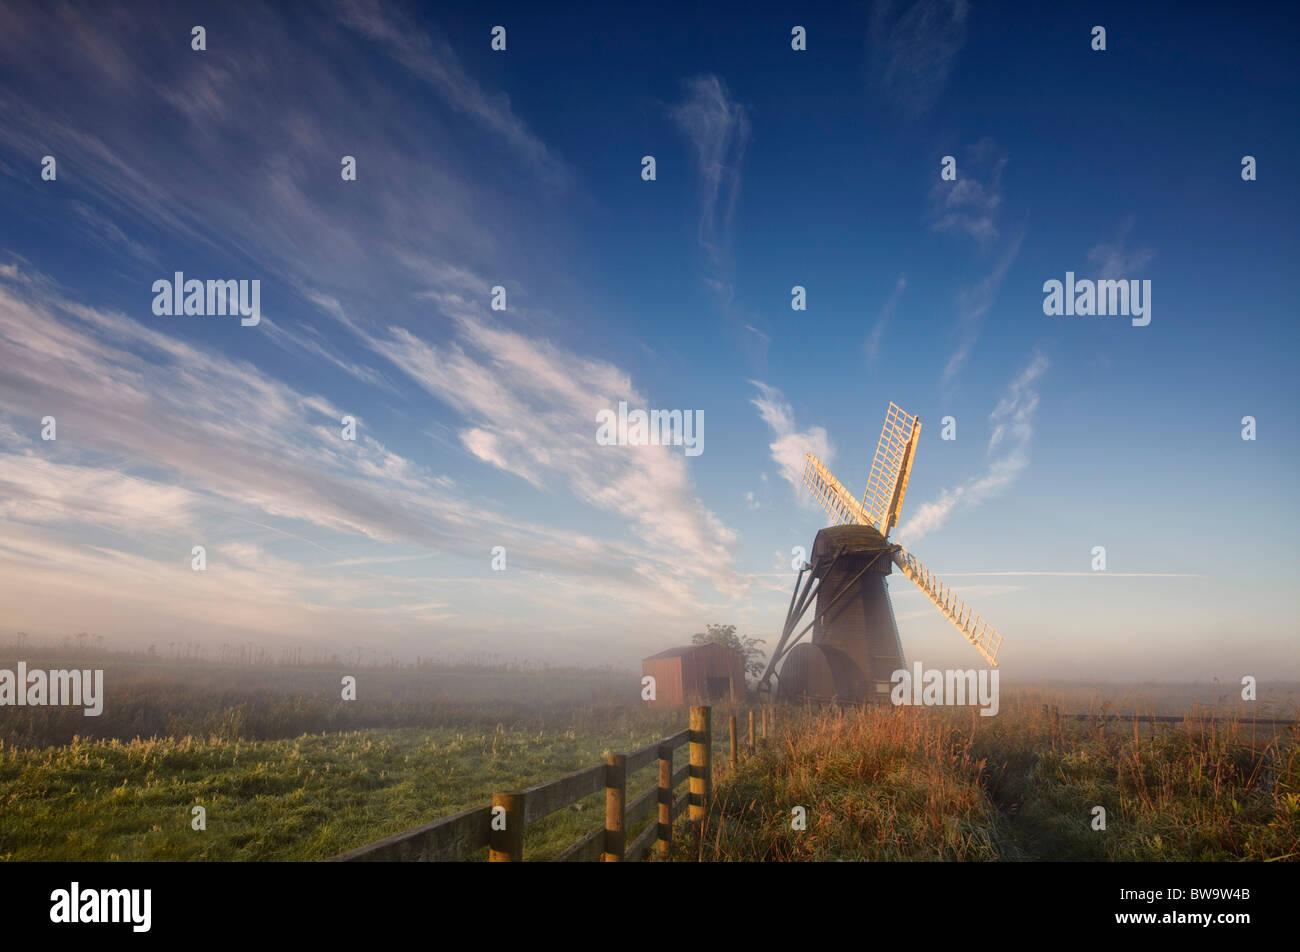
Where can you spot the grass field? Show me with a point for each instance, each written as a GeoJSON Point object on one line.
{"type": "Point", "coordinates": [288, 771]}
{"type": "Point", "coordinates": [302, 799]}
{"type": "Point", "coordinates": [285, 768]}
{"type": "Point", "coordinates": [940, 784]}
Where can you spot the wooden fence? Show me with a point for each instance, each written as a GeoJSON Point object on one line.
{"type": "Point", "coordinates": [1099, 717]}
{"type": "Point", "coordinates": [499, 826]}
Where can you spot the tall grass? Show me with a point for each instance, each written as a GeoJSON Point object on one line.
{"type": "Point", "coordinates": [943, 784]}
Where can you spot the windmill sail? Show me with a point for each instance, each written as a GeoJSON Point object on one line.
{"type": "Point", "coordinates": [830, 492]}
{"type": "Point", "coordinates": [973, 628]}
{"type": "Point", "coordinates": [887, 482]}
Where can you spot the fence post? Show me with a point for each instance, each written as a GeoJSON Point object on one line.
{"type": "Point", "coordinates": [735, 747]}
{"type": "Point", "coordinates": [506, 841]}
{"type": "Point", "coordinates": [701, 736]}
{"type": "Point", "coordinates": [665, 801]}
{"type": "Point", "coordinates": [615, 799]}
{"type": "Point", "coordinates": [751, 732]}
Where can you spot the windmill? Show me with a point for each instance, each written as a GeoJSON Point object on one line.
{"type": "Point", "coordinates": [855, 645]}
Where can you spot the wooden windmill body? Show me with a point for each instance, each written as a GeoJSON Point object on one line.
{"type": "Point", "coordinates": [855, 646]}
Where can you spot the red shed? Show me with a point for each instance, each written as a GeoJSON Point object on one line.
{"type": "Point", "coordinates": [696, 674]}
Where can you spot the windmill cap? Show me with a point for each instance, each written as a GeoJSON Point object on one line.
{"type": "Point", "coordinates": [836, 542]}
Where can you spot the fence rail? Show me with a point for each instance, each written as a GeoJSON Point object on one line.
{"type": "Point", "coordinates": [499, 827]}
{"type": "Point", "coordinates": [1181, 718]}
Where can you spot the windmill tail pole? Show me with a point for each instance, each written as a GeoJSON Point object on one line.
{"type": "Point", "coordinates": [795, 593]}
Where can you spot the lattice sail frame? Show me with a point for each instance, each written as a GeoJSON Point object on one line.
{"type": "Point", "coordinates": [830, 492]}
{"type": "Point", "coordinates": [880, 506]}
{"type": "Point", "coordinates": [891, 469]}
{"type": "Point", "coordinates": [973, 628]}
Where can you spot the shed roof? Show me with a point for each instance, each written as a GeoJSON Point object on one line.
{"type": "Point", "coordinates": [685, 650]}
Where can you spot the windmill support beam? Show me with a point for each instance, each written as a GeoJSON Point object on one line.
{"type": "Point", "coordinates": [818, 616]}
{"type": "Point", "coordinates": [792, 616]}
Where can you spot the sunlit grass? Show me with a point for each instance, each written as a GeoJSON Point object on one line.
{"type": "Point", "coordinates": [885, 784]}
{"type": "Point", "coordinates": [944, 784]}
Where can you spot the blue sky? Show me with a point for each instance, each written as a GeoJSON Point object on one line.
{"type": "Point", "coordinates": [522, 168]}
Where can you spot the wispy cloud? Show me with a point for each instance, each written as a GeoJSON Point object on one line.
{"type": "Point", "coordinates": [424, 196]}
{"type": "Point", "coordinates": [1012, 426]}
{"type": "Point", "coordinates": [307, 341]}
{"type": "Point", "coordinates": [975, 302]}
{"type": "Point", "coordinates": [790, 444]}
{"type": "Point", "coordinates": [972, 204]}
{"type": "Point", "coordinates": [110, 236]}
{"type": "Point", "coordinates": [164, 440]}
{"type": "Point", "coordinates": [718, 129]}
{"type": "Point", "coordinates": [531, 407]}
{"type": "Point", "coordinates": [872, 343]}
{"type": "Point", "coordinates": [914, 47]}
{"type": "Point", "coordinates": [1114, 261]}
{"type": "Point", "coordinates": [434, 61]}
{"type": "Point", "coordinates": [41, 490]}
